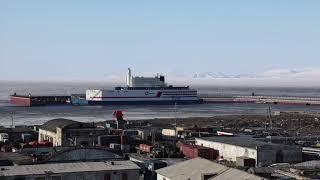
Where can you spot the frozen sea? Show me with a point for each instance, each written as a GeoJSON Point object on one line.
{"type": "Point", "coordinates": [38, 115]}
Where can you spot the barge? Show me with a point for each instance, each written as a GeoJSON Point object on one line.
{"type": "Point", "coordinates": [30, 100]}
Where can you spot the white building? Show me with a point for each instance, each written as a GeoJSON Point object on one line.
{"type": "Point", "coordinates": [264, 153]}
{"type": "Point", "coordinates": [110, 170]}
{"type": "Point", "coordinates": [200, 169]}
{"type": "Point", "coordinates": [65, 132]}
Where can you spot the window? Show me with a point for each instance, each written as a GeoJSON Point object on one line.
{"type": "Point", "coordinates": [107, 177]}
{"type": "Point", "coordinates": [40, 178]}
{"type": "Point", "coordinates": [19, 178]}
{"type": "Point", "coordinates": [56, 178]}
{"type": "Point", "coordinates": [209, 176]}
{"type": "Point", "coordinates": [124, 176]}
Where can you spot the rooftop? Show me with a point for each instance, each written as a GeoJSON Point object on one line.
{"type": "Point", "coordinates": [58, 168]}
{"type": "Point", "coordinates": [15, 158]}
{"type": "Point", "coordinates": [17, 129]}
{"type": "Point", "coordinates": [232, 173]}
{"type": "Point", "coordinates": [52, 125]}
{"type": "Point", "coordinates": [248, 142]}
{"type": "Point", "coordinates": [39, 96]}
{"type": "Point", "coordinates": [312, 164]}
{"type": "Point", "coordinates": [195, 168]}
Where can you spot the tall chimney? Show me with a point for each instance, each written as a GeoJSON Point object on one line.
{"type": "Point", "coordinates": [129, 84]}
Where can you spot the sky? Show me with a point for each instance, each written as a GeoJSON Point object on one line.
{"type": "Point", "coordinates": [92, 40]}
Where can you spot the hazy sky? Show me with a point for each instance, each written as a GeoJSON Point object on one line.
{"type": "Point", "coordinates": [81, 38]}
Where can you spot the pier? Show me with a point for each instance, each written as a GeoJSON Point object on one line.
{"type": "Point", "coordinates": [308, 101]}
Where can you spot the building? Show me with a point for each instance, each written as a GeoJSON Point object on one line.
{"type": "Point", "coordinates": [264, 153]}
{"type": "Point", "coordinates": [149, 133]}
{"type": "Point", "coordinates": [201, 169]}
{"type": "Point", "coordinates": [65, 132]}
{"type": "Point", "coordinates": [109, 170]}
{"type": "Point", "coordinates": [20, 134]}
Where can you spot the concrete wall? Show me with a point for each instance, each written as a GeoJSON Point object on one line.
{"type": "Point", "coordinates": [115, 175]}
{"type": "Point", "coordinates": [44, 133]}
{"type": "Point", "coordinates": [229, 152]}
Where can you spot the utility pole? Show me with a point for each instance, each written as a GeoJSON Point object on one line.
{"type": "Point", "coordinates": [153, 138]}
{"type": "Point", "coordinates": [12, 120]}
{"type": "Point", "coordinates": [269, 116]}
{"type": "Point", "coordinates": [175, 117]}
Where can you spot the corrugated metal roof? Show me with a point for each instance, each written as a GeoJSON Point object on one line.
{"type": "Point", "coordinates": [193, 169]}
{"type": "Point", "coordinates": [52, 125]}
{"type": "Point", "coordinates": [313, 164]}
{"type": "Point", "coordinates": [15, 157]}
{"type": "Point", "coordinates": [58, 168]}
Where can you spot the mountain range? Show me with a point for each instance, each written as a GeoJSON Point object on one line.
{"type": "Point", "coordinates": [273, 73]}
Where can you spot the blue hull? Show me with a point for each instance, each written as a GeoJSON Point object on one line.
{"type": "Point", "coordinates": [144, 102]}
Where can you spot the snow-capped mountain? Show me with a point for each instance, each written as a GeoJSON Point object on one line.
{"type": "Point", "coordinates": [211, 75]}
{"type": "Point", "coordinates": [218, 75]}
{"type": "Point", "coordinates": [308, 77]}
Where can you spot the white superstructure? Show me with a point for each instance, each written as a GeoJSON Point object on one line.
{"type": "Point", "coordinates": [137, 81]}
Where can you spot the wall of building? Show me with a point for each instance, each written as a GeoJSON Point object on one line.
{"type": "Point", "coordinates": [229, 152]}
{"type": "Point", "coordinates": [57, 138]}
{"type": "Point", "coordinates": [147, 82]}
{"type": "Point", "coordinates": [45, 135]}
{"type": "Point", "coordinates": [293, 155]}
{"type": "Point", "coordinates": [168, 132]}
{"type": "Point", "coordinates": [88, 137]}
{"type": "Point", "coordinates": [99, 175]}
{"type": "Point", "coordinates": [61, 137]}
{"type": "Point", "coordinates": [278, 154]}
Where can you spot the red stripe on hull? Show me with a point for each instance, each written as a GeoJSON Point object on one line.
{"type": "Point", "coordinates": [157, 96]}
